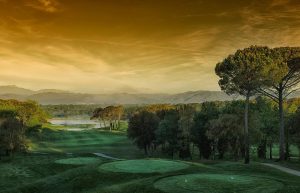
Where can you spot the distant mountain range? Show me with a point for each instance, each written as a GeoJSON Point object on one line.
{"type": "Point", "coordinates": [53, 96]}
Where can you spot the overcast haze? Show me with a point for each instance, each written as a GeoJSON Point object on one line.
{"type": "Point", "coordinates": [145, 46]}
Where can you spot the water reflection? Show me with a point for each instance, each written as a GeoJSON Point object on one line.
{"type": "Point", "coordinates": [76, 124]}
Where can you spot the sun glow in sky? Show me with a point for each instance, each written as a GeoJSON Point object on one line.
{"type": "Point", "coordinates": [143, 46]}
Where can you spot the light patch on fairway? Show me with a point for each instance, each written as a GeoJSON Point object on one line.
{"type": "Point", "coordinates": [78, 161]}
{"type": "Point", "coordinates": [208, 183]}
{"type": "Point", "coordinates": [144, 166]}
{"type": "Point", "coordinates": [76, 129]}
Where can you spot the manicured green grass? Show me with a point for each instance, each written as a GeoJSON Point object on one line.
{"type": "Point", "coordinates": [208, 183]}
{"type": "Point", "coordinates": [78, 161]}
{"type": "Point", "coordinates": [144, 166]}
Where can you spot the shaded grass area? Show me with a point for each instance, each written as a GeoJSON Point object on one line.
{"type": "Point", "coordinates": [25, 169]}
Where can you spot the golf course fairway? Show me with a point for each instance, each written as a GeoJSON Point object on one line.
{"type": "Point", "coordinates": [78, 161]}
{"type": "Point", "coordinates": [215, 183]}
{"type": "Point", "coordinates": [144, 166]}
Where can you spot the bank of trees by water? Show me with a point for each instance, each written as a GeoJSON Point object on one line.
{"type": "Point", "coordinates": [16, 120]}
{"type": "Point", "coordinates": [85, 110]}
{"type": "Point", "coordinates": [110, 114]}
{"type": "Point", "coordinates": [70, 110]}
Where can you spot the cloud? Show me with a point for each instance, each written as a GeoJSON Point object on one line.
{"type": "Point", "coordinates": [50, 6]}
{"type": "Point", "coordinates": [101, 47]}
{"type": "Point", "coordinates": [273, 23]}
{"type": "Point", "coordinates": [279, 2]}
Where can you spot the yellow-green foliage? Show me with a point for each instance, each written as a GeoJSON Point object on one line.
{"type": "Point", "coordinates": [15, 118]}
{"type": "Point", "coordinates": [28, 112]}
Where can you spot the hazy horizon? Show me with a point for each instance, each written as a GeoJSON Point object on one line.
{"type": "Point", "coordinates": [74, 91]}
{"type": "Point", "coordinates": [148, 46]}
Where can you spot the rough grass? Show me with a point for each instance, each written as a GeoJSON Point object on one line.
{"type": "Point", "coordinates": [21, 170]}
{"type": "Point", "coordinates": [78, 161]}
{"type": "Point", "coordinates": [144, 166]}
{"type": "Point", "coordinates": [210, 183]}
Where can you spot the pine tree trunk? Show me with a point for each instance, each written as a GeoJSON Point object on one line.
{"type": "Point", "coordinates": [246, 130]}
{"type": "Point", "coordinates": [281, 126]}
{"type": "Point", "coordinates": [271, 146]}
{"type": "Point", "coordinates": [287, 146]}
{"type": "Point", "coordinates": [7, 152]}
{"type": "Point", "coordinates": [200, 154]}
{"type": "Point", "coordinates": [104, 123]}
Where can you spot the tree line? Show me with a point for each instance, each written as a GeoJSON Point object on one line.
{"type": "Point", "coordinates": [84, 110]}
{"type": "Point", "coordinates": [216, 129]}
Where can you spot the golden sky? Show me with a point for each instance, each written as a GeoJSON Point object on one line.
{"type": "Point", "coordinates": [145, 46]}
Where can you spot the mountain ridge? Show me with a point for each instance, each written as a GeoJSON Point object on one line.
{"type": "Point", "coordinates": [54, 96]}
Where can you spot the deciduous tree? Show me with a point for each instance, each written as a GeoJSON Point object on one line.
{"type": "Point", "coordinates": [209, 111]}
{"type": "Point", "coordinates": [228, 131]}
{"type": "Point", "coordinates": [141, 129]}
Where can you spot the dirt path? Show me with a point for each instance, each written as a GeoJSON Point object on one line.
{"type": "Point", "coordinates": [284, 169]}
{"type": "Point", "coordinates": [106, 156]}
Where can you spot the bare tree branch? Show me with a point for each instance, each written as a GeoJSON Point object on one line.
{"type": "Point", "coordinates": [265, 93]}
{"type": "Point", "coordinates": [293, 83]}
{"type": "Point", "coordinates": [294, 90]}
